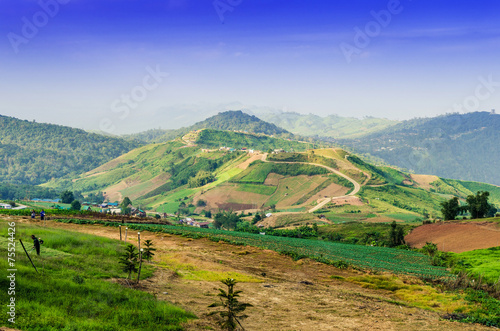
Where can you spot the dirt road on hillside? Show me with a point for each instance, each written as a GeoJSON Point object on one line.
{"type": "Point", "coordinates": [324, 201]}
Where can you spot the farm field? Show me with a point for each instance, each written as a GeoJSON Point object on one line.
{"type": "Point", "coordinates": [457, 236]}
{"type": "Point", "coordinates": [277, 287]}
{"type": "Point", "coordinates": [372, 258]}
{"type": "Point", "coordinates": [484, 262]}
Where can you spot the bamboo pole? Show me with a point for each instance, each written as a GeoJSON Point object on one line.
{"type": "Point", "coordinates": [28, 255]}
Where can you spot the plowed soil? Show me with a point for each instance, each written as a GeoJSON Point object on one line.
{"type": "Point", "coordinates": [456, 236]}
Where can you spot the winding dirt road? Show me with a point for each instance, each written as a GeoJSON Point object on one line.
{"type": "Point", "coordinates": [325, 201]}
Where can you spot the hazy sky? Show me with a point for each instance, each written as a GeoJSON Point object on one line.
{"type": "Point", "coordinates": [110, 64]}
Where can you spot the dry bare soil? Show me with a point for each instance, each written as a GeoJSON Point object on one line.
{"type": "Point", "coordinates": [285, 294]}
{"type": "Point", "coordinates": [456, 236]}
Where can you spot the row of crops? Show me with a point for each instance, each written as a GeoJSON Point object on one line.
{"type": "Point", "coordinates": [366, 257]}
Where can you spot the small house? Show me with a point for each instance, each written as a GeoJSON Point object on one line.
{"type": "Point", "coordinates": [5, 206]}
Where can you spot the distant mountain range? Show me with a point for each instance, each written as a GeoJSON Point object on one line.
{"type": "Point", "coordinates": [332, 126]}
{"type": "Point", "coordinates": [34, 153]}
{"type": "Point", "coordinates": [460, 146]}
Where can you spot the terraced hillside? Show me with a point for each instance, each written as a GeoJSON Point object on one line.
{"type": "Point", "coordinates": [214, 170]}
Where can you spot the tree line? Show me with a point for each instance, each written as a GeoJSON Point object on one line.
{"type": "Point", "coordinates": [477, 205]}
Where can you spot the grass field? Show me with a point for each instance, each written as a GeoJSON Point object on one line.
{"type": "Point", "coordinates": [484, 262]}
{"type": "Point", "coordinates": [254, 188]}
{"type": "Point", "coordinates": [72, 290]}
{"type": "Point", "coordinates": [377, 234]}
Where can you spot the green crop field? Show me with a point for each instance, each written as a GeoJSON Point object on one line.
{"type": "Point", "coordinates": [373, 258]}
{"type": "Point", "coordinates": [255, 188]}
{"type": "Point", "coordinates": [256, 173]}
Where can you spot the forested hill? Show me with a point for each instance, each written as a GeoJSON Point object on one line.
{"type": "Point", "coordinates": [460, 146]}
{"type": "Point", "coordinates": [229, 120]}
{"type": "Point", "coordinates": [33, 153]}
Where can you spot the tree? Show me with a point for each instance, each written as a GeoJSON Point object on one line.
{"type": "Point", "coordinates": [478, 205]}
{"type": "Point", "coordinates": [232, 308]}
{"type": "Point", "coordinates": [129, 260]}
{"type": "Point", "coordinates": [76, 205]}
{"type": "Point", "coordinates": [67, 197]}
{"type": "Point", "coordinates": [125, 203]}
{"type": "Point", "coordinates": [201, 203]}
{"type": "Point", "coordinates": [148, 250]}
{"type": "Point", "coordinates": [397, 236]}
{"type": "Point", "coordinates": [226, 219]}
{"type": "Point", "coordinates": [256, 218]}
{"type": "Point", "coordinates": [450, 209]}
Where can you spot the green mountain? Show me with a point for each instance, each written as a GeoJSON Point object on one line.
{"type": "Point", "coordinates": [460, 146]}
{"type": "Point", "coordinates": [34, 153]}
{"type": "Point", "coordinates": [332, 126]}
{"type": "Point", "coordinates": [229, 120]}
{"type": "Point", "coordinates": [213, 170]}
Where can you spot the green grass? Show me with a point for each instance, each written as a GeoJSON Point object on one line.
{"type": "Point", "coordinates": [377, 234]}
{"type": "Point", "coordinates": [72, 290]}
{"type": "Point", "coordinates": [397, 199]}
{"type": "Point", "coordinates": [403, 217]}
{"type": "Point", "coordinates": [256, 173]}
{"type": "Point", "coordinates": [484, 262]}
{"type": "Point", "coordinates": [259, 189]}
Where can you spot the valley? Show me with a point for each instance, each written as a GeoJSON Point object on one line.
{"type": "Point", "coordinates": [314, 234]}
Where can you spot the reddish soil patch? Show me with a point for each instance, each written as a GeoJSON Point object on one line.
{"type": "Point", "coordinates": [424, 181]}
{"type": "Point", "coordinates": [348, 200]}
{"type": "Point", "coordinates": [252, 158]}
{"type": "Point", "coordinates": [456, 236]}
{"type": "Point", "coordinates": [225, 195]}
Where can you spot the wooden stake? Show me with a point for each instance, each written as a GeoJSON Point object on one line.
{"type": "Point", "coordinates": [126, 234]}
{"type": "Point", "coordinates": [28, 255]}
{"type": "Point", "coordinates": [120, 232]}
{"type": "Point", "coordinates": [140, 265]}
{"type": "Point", "coordinates": [139, 240]}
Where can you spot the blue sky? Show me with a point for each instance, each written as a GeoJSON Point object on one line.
{"type": "Point", "coordinates": [424, 58]}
